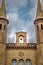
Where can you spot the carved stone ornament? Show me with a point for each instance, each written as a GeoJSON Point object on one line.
{"type": "Point", "coordinates": [21, 54]}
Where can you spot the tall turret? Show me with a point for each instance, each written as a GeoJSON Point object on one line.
{"type": "Point", "coordinates": [39, 9]}
{"type": "Point", "coordinates": [21, 38]}
{"type": "Point", "coordinates": [3, 22]}
{"type": "Point", "coordinates": [39, 23]}
{"type": "Point", "coordinates": [3, 10]}
{"type": "Point", "coordinates": [3, 33]}
{"type": "Point", "coordinates": [39, 33]}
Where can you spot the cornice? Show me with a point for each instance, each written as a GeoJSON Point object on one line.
{"type": "Point", "coordinates": [28, 46]}
{"type": "Point", "coordinates": [5, 19]}
{"type": "Point", "coordinates": [39, 18]}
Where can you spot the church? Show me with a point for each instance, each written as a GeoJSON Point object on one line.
{"type": "Point", "coordinates": [21, 53]}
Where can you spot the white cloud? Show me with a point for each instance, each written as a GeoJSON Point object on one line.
{"type": "Point", "coordinates": [15, 23]}
{"type": "Point", "coordinates": [11, 35]}
{"type": "Point", "coordinates": [11, 38]}
{"type": "Point", "coordinates": [34, 2]}
{"type": "Point", "coordinates": [15, 4]}
{"type": "Point", "coordinates": [13, 16]}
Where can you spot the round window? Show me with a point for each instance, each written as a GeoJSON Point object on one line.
{"type": "Point", "coordinates": [21, 39]}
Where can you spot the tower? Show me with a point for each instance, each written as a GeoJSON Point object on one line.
{"type": "Point", "coordinates": [3, 33]}
{"type": "Point", "coordinates": [39, 33]}
{"type": "Point", "coordinates": [3, 22]}
{"type": "Point", "coordinates": [21, 38]}
{"type": "Point", "coordinates": [39, 23]}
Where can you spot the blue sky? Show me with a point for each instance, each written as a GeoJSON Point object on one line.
{"type": "Point", "coordinates": [21, 14]}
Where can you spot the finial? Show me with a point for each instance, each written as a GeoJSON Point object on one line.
{"type": "Point", "coordinates": [21, 29]}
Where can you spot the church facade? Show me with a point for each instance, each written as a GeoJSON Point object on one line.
{"type": "Point", "coordinates": [21, 52]}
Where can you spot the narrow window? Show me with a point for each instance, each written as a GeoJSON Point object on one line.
{"type": "Point", "coordinates": [21, 39]}
{"type": "Point", "coordinates": [41, 26]}
{"type": "Point", "coordinates": [37, 27]}
{"type": "Point", "coordinates": [28, 62]}
{"type": "Point", "coordinates": [4, 27]}
{"type": "Point", "coordinates": [14, 62]}
{"type": "Point", "coordinates": [21, 62]}
{"type": "Point", "coordinates": [0, 26]}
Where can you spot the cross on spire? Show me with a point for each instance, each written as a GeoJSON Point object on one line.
{"type": "Point", "coordinates": [21, 29]}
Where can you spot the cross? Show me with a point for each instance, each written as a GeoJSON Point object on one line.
{"type": "Point", "coordinates": [21, 29]}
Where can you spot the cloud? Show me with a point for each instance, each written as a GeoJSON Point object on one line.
{"type": "Point", "coordinates": [21, 14]}
{"type": "Point", "coordinates": [13, 16]}
{"type": "Point", "coordinates": [16, 4]}
{"type": "Point", "coordinates": [11, 38]}
{"type": "Point", "coordinates": [15, 25]}
{"type": "Point", "coordinates": [17, 22]}
{"type": "Point", "coordinates": [42, 3]}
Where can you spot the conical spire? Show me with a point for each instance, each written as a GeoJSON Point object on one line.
{"type": "Point", "coordinates": [2, 9]}
{"type": "Point", "coordinates": [39, 9]}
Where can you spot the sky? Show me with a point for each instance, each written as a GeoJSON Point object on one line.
{"type": "Point", "coordinates": [21, 15]}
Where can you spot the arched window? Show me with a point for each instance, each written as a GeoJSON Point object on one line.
{"type": "Point", "coordinates": [4, 27]}
{"type": "Point", "coordinates": [21, 62]}
{"type": "Point", "coordinates": [28, 62]}
{"type": "Point", "coordinates": [0, 26]}
{"type": "Point", "coordinates": [14, 62]}
{"type": "Point", "coordinates": [21, 39]}
{"type": "Point", "coordinates": [37, 27]}
{"type": "Point", "coordinates": [42, 26]}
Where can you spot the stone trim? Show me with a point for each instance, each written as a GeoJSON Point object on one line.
{"type": "Point", "coordinates": [13, 46]}
{"type": "Point", "coordinates": [4, 19]}
{"type": "Point", "coordinates": [40, 18]}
